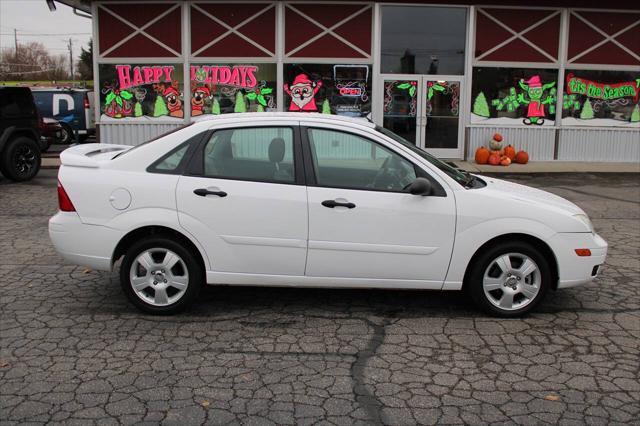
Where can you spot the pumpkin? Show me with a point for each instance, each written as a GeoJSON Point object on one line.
{"type": "Point", "coordinates": [497, 137]}
{"type": "Point", "coordinates": [494, 159]}
{"type": "Point", "coordinates": [505, 161]}
{"type": "Point", "coordinates": [496, 152]}
{"type": "Point", "coordinates": [522, 157]}
{"type": "Point", "coordinates": [482, 155]}
{"type": "Point", "coordinates": [510, 152]}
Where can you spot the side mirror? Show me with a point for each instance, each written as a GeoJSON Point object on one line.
{"type": "Point", "coordinates": [420, 186]}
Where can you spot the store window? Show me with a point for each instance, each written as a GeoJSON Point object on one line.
{"type": "Point", "coordinates": [141, 92]}
{"type": "Point", "coordinates": [226, 88]}
{"type": "Point", "coordinates": [342, 89]}
{"type": "Point", "coordinates": [513, 96]}
{"type": "Point", "coordinates": [601, 98]}
{"type": "Point", "coordinates": [423, 40]}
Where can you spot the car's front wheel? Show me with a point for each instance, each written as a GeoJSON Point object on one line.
{"type": "Point", "coordinates": [509, 279]}
{"type": "Point", "coordinates": [21, 159]}
{"type": "Point", "coordinates": [160, 276]}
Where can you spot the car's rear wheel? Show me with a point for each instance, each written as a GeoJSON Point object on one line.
{"type": "Point", "coordinates": [159, 276]}
{"type": "Point", "coordinates": [509, 279]}
{"type": "Point", "coordinates": [66, 134]}
{"type": "Point", "coordinates": [21, 159]}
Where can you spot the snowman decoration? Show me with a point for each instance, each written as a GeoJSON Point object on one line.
{"type": "Point", "coordinates": [302, 93]}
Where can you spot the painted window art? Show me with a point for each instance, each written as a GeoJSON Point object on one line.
{"type": "Point", "coordinates": [329, 89]}
{"type": "Point", "coordinates": [227, 88]}
{"type": "Point", "coordinates": [601, 98]}
{"type": "Point", "coordinates": [141, 92]}
{"type": "Point", "coordinates": [514, 96]}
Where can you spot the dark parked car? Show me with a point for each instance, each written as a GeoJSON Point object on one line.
{"type": "Point", "coordinates": [20, 143]}
{"type": "Point", "coordinates": [50, 132]}
{"type": "Point", "coordinates": [73, 108]}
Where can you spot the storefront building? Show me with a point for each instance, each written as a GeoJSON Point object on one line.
{"type": "Point", "coordinates": [557, 79]}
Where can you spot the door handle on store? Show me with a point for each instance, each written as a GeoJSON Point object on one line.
{"type": "Point", "coordinates": [333, 203]}
{"type": "Point", "coordinates": [203, 192]}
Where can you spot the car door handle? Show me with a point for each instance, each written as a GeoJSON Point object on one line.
{"type": "Point", "coordinates": [203, 192]}
{"type": "Point", "coordinates": [333, 203]}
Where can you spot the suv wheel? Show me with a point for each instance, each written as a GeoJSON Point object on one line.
{"type": "Point", "coordinates": [509, 279]}
{"type": "Point", "coordinates": [66, 134]}
{"type": "Point", "coordinates": [21, 159]}
{"type": "Point", "coordinates": [160, 276]}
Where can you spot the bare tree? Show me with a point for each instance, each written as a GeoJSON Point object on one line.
{"type": "Point", "coordinates": [32, 62]}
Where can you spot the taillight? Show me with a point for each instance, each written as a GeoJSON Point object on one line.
{"type": "Point", "coordinates": [64, 202]}
{"type": "Point", "coordinates": [86, 102]}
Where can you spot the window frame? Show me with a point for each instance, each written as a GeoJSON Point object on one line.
{"type": "Point", "coordinates": [195, 167]}
{"type": "Point", "coordinates": [310, 174]}
{"type": "Point", "coordinates": [192, 142]}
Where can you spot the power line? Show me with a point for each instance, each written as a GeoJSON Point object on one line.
{"type": "Point", "coordinates": [44, 34]}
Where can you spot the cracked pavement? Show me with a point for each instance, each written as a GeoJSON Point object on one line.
{"type": "Point", "coordinates": [74, 351]}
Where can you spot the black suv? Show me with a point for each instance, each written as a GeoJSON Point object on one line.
{"type": "Point", "coordinates": [20, 143]}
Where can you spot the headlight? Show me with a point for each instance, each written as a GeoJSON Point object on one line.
{"type": "Point", "coordinates": [584, 219]}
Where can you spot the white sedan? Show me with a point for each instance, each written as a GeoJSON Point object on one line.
{"type": "Point", "coordinates": [309, 200]}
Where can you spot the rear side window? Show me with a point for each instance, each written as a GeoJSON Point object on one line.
{"type": "Point", "coordinates": [175, 160]}
{"type": "Point", "coordinates": [263, 154]}
{"type": "Point", "coordinates": [16, 103]}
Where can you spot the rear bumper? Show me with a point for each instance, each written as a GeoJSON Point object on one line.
{"type": "Point", "coordinates": [575, 270]}
{"type": "Point", "coordinates": [86, 245]}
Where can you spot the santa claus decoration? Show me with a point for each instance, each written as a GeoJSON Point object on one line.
{"type": "Point", "coordinates": [302, 92]}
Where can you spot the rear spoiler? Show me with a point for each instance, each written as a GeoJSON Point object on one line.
{"type": "Point", "coordinates": [91, 154]}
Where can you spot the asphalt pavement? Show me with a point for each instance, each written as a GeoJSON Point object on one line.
{"type": "Point", "coordinates": [74, 351]}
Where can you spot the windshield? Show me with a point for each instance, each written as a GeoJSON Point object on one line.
{"type": "Point", "coordinates": [458, 175]}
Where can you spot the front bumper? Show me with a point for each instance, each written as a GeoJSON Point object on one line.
{"type": "Point", "coordinates": [575, 270]}
{"type": "Point", "coordinates": [86, 245]}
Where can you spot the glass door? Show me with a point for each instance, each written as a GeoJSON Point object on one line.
{"type": "Point", "coordinates": [440, 122]}
{"type": "Point", "coordinates": [400, 107]}
{"type": "Point", "coordinates": [424, 110]}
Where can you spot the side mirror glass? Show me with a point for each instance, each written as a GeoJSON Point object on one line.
{"type": "Point", "coordinates": [420, 186]}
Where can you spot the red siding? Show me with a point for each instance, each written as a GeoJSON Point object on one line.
{"type": "Point", "coordinates": [260, 28]}
{"type": "Point", "coordinates": [356, 30]}
{"type": "Point", "coordinates": [490, 34]}
{"type": "Point", "coordinates": [167, 30]}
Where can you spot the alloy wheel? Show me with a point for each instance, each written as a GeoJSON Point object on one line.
{"type": "Point", "coordinates": [159, 277]}
{"type": "Point", "coordinates": [24, 159]}
{"type": "Point", "coordinates": [511, 281]}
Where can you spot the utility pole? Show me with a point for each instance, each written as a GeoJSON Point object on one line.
{"type": "Point", "coordinates": [71, 59]}
{"type": "Point", "coordinates": [15, 39]}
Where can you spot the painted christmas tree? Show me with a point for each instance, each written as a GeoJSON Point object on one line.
{"type": "Point", "coordinates": [215, 107]}
{"type": "Point", "coordinates": [480, 106]}
{"type": "Point", "coordinates": [240, 105]}
{"type": "Point", "coordinates": [326, 108]}
{"type": "Point", "coordinates": [635, 114]}
{"type": "Point", "coordinates": [587, 111]}
{"type": "Point", "coordinates": [137, 110]}
{"type": "Point", "coordinates": [160, 108]}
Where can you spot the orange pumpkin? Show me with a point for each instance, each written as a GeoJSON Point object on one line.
{"type": "Point", "coordinates": [496, 152]}
{"type": "Point", "coordinates": [497, 137]}
{"type": "Point", "coordinates": [494, 159]}
{"type": "Point", "coordinates": [522, 157]}
{"type": "Point", "coordinates": [505, 161]}
{"type": "Point", "coordinates": [510, 152]}
{"type": "Point", "coordinates": [482, 155]}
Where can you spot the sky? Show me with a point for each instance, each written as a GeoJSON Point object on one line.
{"type": "Point", "coordinates": [35, 22]}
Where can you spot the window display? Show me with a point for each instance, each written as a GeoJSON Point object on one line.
{"type": "Point", "coordinates": [514, 96]}
{"type": "Point", "coordinates": [326, 88]}
{"type": "Point", "coordinates": [227, 88]}
{"type": "Point", "coordinates": [141, 92]}
{"type": "Point", "coordinates": [601, 98]}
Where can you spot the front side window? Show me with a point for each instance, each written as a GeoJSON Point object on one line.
{"type": "Point", "coordinates": [262, 154]}
{"type": "Point", "coordinates": [345, 160]}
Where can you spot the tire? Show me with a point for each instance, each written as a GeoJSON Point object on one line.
{"type": "Point", "coordinates": [66, 135]}
{"type": "Point", "coordinates": [509, 289]}
{"type": "Point", "coordinates": [175, 288]}
{"type": "Point", "coordinates": [46, 146]}
{"type": "Point", "coordinates": [21, 159]}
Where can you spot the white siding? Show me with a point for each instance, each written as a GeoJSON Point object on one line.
{"type": "Point", "coordinates": [133, 134]}
{"type": "Point", "coordinates": [587, 144]}
{"type": "Point", "coordinates": [538, 142]}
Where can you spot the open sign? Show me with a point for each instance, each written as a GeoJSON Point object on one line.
{"type": "Point", "coordinates": [351, 91]}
